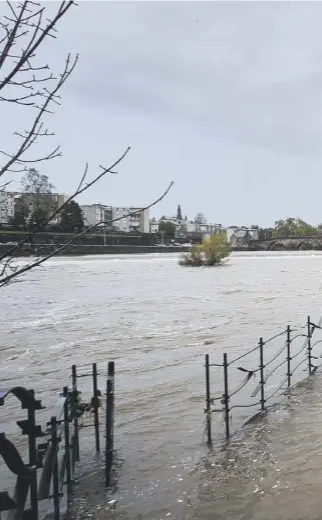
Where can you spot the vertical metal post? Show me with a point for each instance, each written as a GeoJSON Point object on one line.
{"type": "Point", "coordinates": [34, 493]}
{"type": "Point", "coordinates": [95, 406]}
{"type": "Point", "coordinates": [111, 376]}
{"type": "Point", "coordinates": [67, 439]}
{"type": "Point", "coordinates": [109, 432]}
{"type": "Point", "coordinates": [111, 372]}
{"type": "Point", "coordinates": [261, 368]}
{"type": "Point", "coordinates": [226, 395]}
{"type": "Point", "coordinates": [309, 348]}
{"type": "Point", "coordinates": [109, 435]}
{"type": "Point", "coordinates": [33, 461]}
{"type": "Point", "coordinates": [288, 354]}
{"type": "Point", "coordinates": [54, 441]}
{"type": "Point", "coordinates": [208, 399]}
{"type": "Point", "coordinates": [75, 398]}
{"type": "Point", "coordinates": [31, 435]}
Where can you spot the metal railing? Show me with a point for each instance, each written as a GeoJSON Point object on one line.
{"type": "Point", "coordinates": [258, 396]}
{"type": "Point", "coordinates": [48, 476]}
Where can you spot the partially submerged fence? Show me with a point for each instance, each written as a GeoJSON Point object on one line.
{"type": "Point", "coordinates": [44, 484]}
{"type": "Point", "coordinates": [258, 398]}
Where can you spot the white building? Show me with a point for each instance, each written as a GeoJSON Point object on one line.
{"type": "Point", "coordinates": [56, 201]}
{"type": "Point", "coordinates": [50, 202]}
{"type": "Point", "coordinates": [234, 233]}
{"type": "Point", "coordinates": [93, 214]}
{"type": "Point", "coordinates": [120, 219]}
{"type": "Point", "coordinates": [127, 222]}
{"type": "Point", "coordinates": [7, 206]}
{"type": "Point", "coordinates": [210, 229]}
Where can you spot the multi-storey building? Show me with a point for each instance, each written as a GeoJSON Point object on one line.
{"type": "Point", "coordinates": [125, 220]}
{"type": "Point", "coordinates": [93, 214]}
{"type": "Point", "coordinates": [7, 206]}
{"type": "Point", "coordinates": [49, 202]}
{"type": "Point", "coordinates": [56, 200]}
{"type": "Point", "coordinates": [131, 219]}
{"type": "Point", "coordinates": [210, 229]}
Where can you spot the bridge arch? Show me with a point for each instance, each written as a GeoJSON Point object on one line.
{"type": "Point", "coordinates": [276, 246]}
{"type": "Point", "coordinates": [271, 246]}
{"type": "Point", "coordinates": [303, 246]}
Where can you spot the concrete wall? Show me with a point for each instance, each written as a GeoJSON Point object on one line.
{"type": "Point", "coordinates": [95, 250]}
{"type": "Point", "coordinates": [146, 239]}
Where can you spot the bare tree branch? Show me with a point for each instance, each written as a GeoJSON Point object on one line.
{"type": "Point", "coordinates": [34, 87]}
{"type": "Point", "coordinates": [79, 190]}
{"type": "Point", "coordinates": [34, 42]}
{"type": "Point", "coordinates": [3, 186]}
{"type": "Point", "coordinates": [36, 128]}
{"type": "Point", "coordinates": [26, 21]}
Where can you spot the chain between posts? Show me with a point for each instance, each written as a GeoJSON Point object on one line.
{"type": "Point", "coordinates": [259, 390]}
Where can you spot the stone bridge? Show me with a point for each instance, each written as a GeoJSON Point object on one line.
{"type": "Point", "coordinates": [284, 244]}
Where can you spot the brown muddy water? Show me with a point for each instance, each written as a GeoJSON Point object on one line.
{"type": "Point", "coordinates": [157, 320]}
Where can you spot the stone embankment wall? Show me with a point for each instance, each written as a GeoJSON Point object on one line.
{"type": "Point", "coordinates": [38, 249]}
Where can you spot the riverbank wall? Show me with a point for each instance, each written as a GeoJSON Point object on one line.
{"type": "Point", "coordinates": [83, 250]}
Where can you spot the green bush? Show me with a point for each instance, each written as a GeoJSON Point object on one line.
{"type": "Point", "coordinates": [212, 251]}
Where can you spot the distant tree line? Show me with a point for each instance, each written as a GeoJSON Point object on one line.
{"type": "Point", "coordinates": [290, 227]}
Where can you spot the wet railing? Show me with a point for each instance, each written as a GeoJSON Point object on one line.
{"type": "Point", "coordinates": [288, 355]}
{"type": "Point", "coordinates": [43, 485]}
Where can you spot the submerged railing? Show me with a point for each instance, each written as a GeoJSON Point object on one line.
{"type": "Point", "coordinates": [44, 484]}
{"type": "Point", "coordinates": [258, 396]}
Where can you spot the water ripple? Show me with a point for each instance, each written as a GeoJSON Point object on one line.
{"type": "Point", "coordinates": [155, 319]}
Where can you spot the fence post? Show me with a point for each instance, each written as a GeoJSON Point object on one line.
{"type": "Point", "coordinates": [31, 435]}
{"type": "Point", "coordinates": [226, 396]}
{"type": "Point", "coordinates": [111, 373]}
{"type": "Point", "coordinates": [54, 441]}
{"type": "Point", "coordinates": [109, 416]}
{"type": "Point", "coordinates": [262, 377]}
{"type": "Point", "coordinates": [33, 461]}
{"type": "Point", "coordinates": [288, 354]}
{"type": "Point", "coordinates": [34, 493]}
{"type": "Point", "coordinates": [208, 399]}
{"type": "Point", "coordinates": [67, 439]}
{"type": "Point", "coordinates": [95, 406]}
{"type": "Point", "coordinates": [309, 348]}
{"type": "Point", "coordinates": [75, 398]}
{"type": "Point", "coordinates": [109, 432]}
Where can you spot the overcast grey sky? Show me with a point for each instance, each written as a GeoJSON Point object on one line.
{"type": "Point", "coordinates": [224, 98]}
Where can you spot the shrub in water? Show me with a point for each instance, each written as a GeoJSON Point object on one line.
{"type": "Point", "coordinates": [212, 251]}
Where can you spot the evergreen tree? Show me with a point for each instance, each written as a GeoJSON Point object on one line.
{"type": "Point", "coordinates": [38, 217]}
{"type": "Point", "coordinates": [71, 217]}
{"type": "Point", "coordinates": [200, 219]}
{"type": "Point", "coordinates": [179, 213]}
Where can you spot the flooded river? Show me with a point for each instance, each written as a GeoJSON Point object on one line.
{"type": "Point", "coordinates": [157, 320]}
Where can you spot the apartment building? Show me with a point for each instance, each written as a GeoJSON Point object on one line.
{"type": "Point", "coordinates": [56, 200]}
{"type": "Point", "coordinates": [93, 214]}
{"type": "Point", "coordinates": [127, 222]}
{"type": "Point", "coordinates": [7, 206]}
{"type": "Point", "coordinates": [50, 202]}
{"type": "Point", "coordinates": [119, 218]}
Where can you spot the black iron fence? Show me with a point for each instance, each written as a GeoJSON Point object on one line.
{"type": "Point", "coordinates": [269, 364]}
{"type": "Point", "coordinates": [44, 484]}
